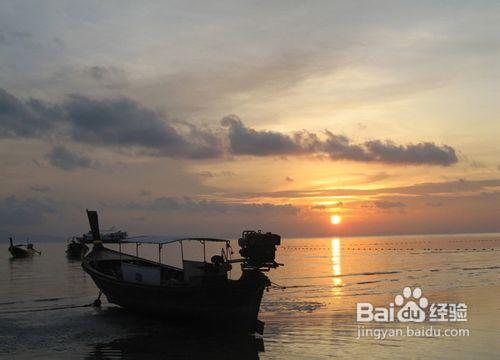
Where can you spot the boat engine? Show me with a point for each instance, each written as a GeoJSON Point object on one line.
{"type": "Point", "coordinates": [258, 250]}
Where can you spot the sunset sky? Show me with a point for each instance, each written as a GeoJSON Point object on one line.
{"type": "Point", "coordinates": [195, 117]}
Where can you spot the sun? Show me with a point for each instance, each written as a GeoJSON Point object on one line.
{"type": "Point", "coordinates": [335, 219]}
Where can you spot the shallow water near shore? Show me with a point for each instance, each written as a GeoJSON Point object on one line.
{"type": "Point", "coordinates": [314, 317]}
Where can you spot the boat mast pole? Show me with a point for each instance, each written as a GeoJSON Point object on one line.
{"type": "Point", "coordinates": [182, 252]}
{"type": "Point", "coordinates": [94, 228]}
{"type": "Point", "coordinates": [159, 253]}
{"type": "Point", "coordinates": [204, 252]}
{"type": "Point", "coordinates": [228, 257]}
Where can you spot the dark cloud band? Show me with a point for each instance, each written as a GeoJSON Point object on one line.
{"type": "Point", "coordinates": [246, 141]}
{"type": "Point", "coordinates": [65, 159]}
{"type": "Point", "coordinates": [123, 123]}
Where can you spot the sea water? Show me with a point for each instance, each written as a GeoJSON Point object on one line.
{"type": "Point", "coordinates": [313, 317]}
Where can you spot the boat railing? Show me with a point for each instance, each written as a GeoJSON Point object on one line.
{"type": "Point", "coordinates": [225, 253]}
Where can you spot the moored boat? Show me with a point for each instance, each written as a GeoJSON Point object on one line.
{"type": "Point", "coordinates": [76, 248]}
{"type": "Point", "coordinates": [199, 292]}
{"type": "Point", "coordinates": [109, 236]}
{"type": "Point", "coordinates": [22, 250]}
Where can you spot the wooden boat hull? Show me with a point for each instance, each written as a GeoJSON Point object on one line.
{"type": "Point", "coordinates": [18, 252]}
{"type": "Point", "coordinates": [233, 304]}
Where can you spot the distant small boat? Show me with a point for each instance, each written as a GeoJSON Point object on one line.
{"type": "Point", "coordinates": [109, 236]}
{"type": "Point", "coordinates": [200, 291]}
{"type": "Point", "coordinates": [76, 248]}
{"type": "Point", "coordinates": [22, 250]}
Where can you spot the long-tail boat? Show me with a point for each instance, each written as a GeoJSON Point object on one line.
{"type": "Point", "coordinates": [76, 248]}
{"type": "Point", "coordinates": [22, 250]}
{"type": "Point", "coordinates": [199, 292]}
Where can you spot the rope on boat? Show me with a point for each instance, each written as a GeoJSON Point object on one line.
{"type": "Point", "coordinates": [46, 309]}
{"type": "Point", "coordinates": [96, 303]}
{"type": "Point", "coordinates": [281, 287]}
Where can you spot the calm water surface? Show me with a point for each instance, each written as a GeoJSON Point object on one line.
{"type": "Point", "coordinates": [313, 318]}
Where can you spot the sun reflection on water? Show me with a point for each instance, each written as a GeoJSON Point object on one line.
{"type": "Point", "coordinates": [336, 267]}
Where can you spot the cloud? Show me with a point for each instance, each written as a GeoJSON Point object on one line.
{"type": "Point", "coordinates": [434, 204]}
{"type": "Point", "coordinates": [206, 174]}
{"type": "Point", "coordinates": [246, 141]}
{"type": "Point", "coordinates": [24, 212]}
{"type": "Point", "coordinates": [117, 122]}
{"type": "Point", "coordinates": [447, 187]}
{"type": "Point", "coordinates": [388, 204]}
{"type": "Point", "coordinates": [64, 159]}
{"type": "Point", "coordinates": [421, 153]}
{"type": "Point", "coordinates": [145, 193]}
{"type": "Point", "coordinates": [318, 207]}
{"type": "Point", "coordinates": [189, 205]}
{"type": "Point", "coordinates": [377, 177]}
{"type": "Point", "coordinates": [105, 73]}
{"type": "Point", "coordinates": [339, 147]}
{"type": "Point", "coordinates": [477, 165]}
{"type": "Point", "coordinates": [209, 174]}
{"type": "Point", "coordinates": [109, 123]}
{"type": "Point", "coordinates": [12, 37]}
{"type": "Point", "coordinates": [124, 123]}
{"type": "Point", "coordinates": [25, 118]}
{"type": "Point", "coordinates": [40, 189]}
{"type": "Point", "coordinates": [59, 42]}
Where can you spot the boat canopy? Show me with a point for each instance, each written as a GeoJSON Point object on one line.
{"type": "Point", "coordinates": [161, 240]}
